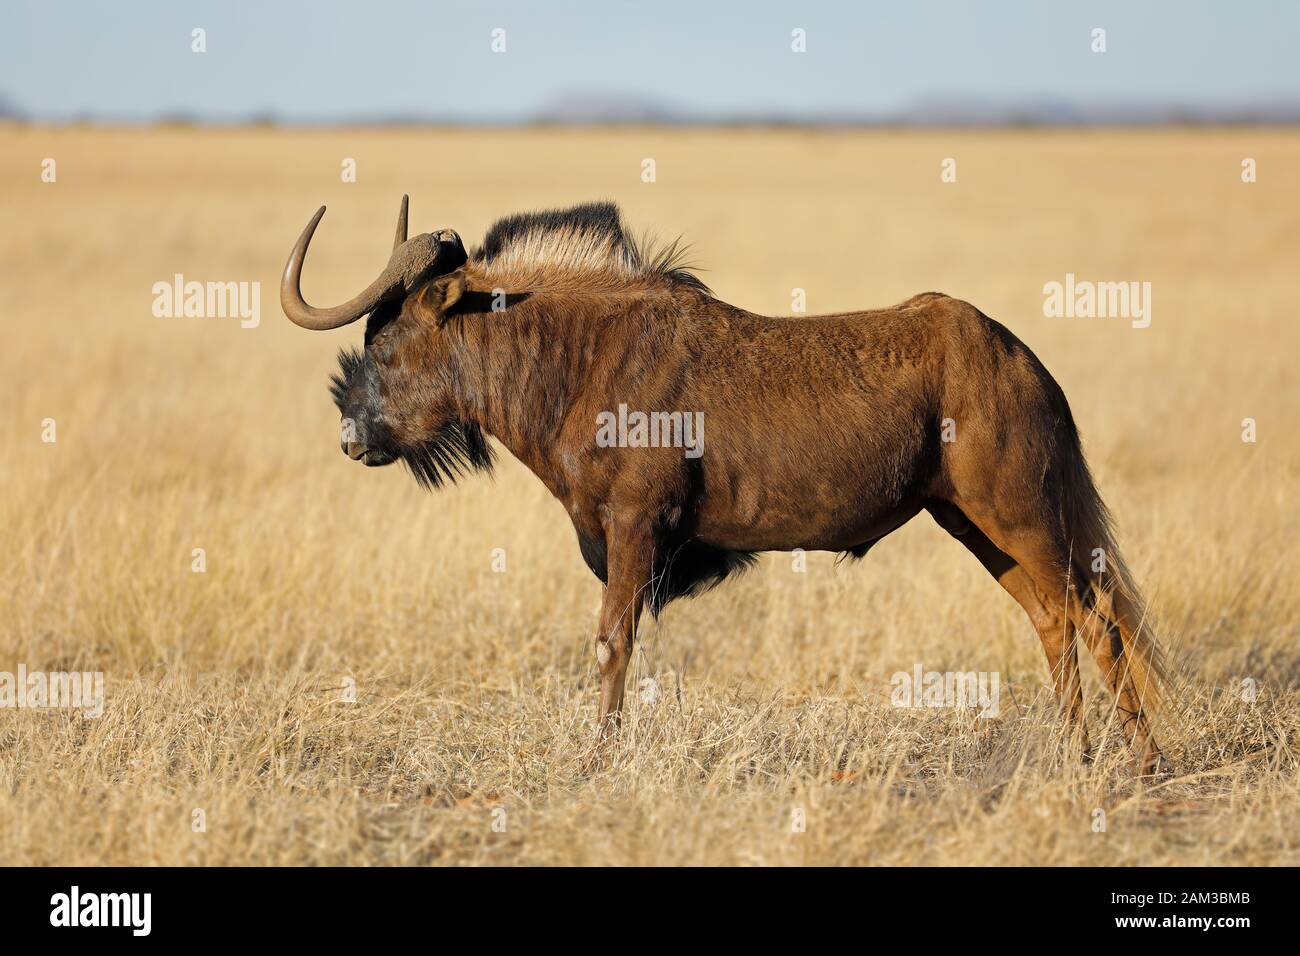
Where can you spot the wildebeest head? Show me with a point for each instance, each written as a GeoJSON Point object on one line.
{"type": "Point", "coordinates": [395, 395]}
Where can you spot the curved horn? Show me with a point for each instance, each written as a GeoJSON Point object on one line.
{"type": "Point", "coordinates": [401, 223]}
{"type": "Point", "coordinates": [410, 261]}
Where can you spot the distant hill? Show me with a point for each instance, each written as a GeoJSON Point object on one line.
{"type": "Point", "coordinates": [9, 109]}
{"type": "Point", "coordinates": [633, 109]}
{"type": "Point", "coordinates": [935, 111]}
{"type": "Point", "coordinates": [582, 109]}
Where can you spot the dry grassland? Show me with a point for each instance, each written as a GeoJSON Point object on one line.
{"type": "Point", "coordinates": [476, 690]}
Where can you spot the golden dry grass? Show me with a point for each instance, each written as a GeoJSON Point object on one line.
{"type": "Point", "coordinates": [475, 689]}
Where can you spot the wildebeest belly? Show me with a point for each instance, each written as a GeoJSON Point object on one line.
{"type": "Point", "coordinates": [833, 484]}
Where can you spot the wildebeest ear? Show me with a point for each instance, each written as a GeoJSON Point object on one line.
{"type": "Point", "coordinates": [455, 288]}
{"type": "Point", "coordinates": [439, 295]}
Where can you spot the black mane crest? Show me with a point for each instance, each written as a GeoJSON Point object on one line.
{"type": "Point", "coordinates": [588, 237]}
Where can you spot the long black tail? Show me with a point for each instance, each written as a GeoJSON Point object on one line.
{"type": "Point", "coordinates": [1088, 526]}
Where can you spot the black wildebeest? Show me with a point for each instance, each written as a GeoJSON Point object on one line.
{"type": "Point", "coordinates": [824, 433]}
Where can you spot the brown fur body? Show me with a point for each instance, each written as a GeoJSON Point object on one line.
{"type": "Point", "coordinates": [821, 433]}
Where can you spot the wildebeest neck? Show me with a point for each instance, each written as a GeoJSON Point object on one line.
{"type": "Point", "coordinates": [525, 372]}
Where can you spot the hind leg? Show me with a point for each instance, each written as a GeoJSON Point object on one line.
{"type": "Point", "coordinates": [1048, 617]}
{"type": "Point", "coordinates": [1046, 560]}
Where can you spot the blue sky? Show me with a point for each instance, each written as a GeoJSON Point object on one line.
{"type": "Point", "coordinates": [330, 59]}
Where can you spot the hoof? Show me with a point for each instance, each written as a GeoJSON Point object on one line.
{"type": "Point", "coordinates": [1155, 766]}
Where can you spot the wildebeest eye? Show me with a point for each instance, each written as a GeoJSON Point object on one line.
{"type": "Point", "coordinates": [380, 319]}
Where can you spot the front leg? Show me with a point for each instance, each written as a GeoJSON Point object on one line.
{"type": "Point", "coordinates": [630, 546]}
